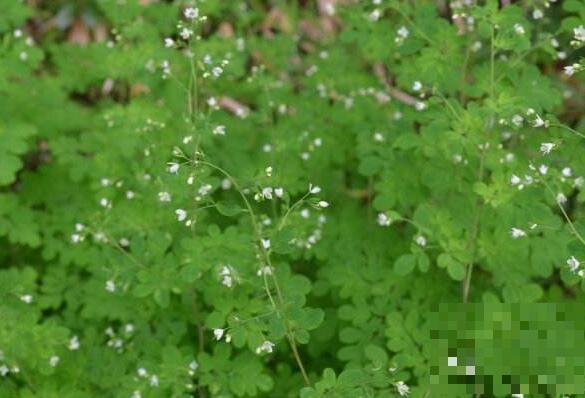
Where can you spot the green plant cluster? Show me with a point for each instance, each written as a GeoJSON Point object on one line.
{"type": "Point", "coordinates": [269, 198]}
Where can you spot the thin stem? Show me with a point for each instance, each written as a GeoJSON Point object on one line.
{"type": "Point", "coordinates": [565, 215]}
{"type": "Point", "coordinates": [256, 228]}
{"type": "Point", "coordinates": [568, 129]}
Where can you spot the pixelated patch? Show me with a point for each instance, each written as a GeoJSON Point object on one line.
{"type": "Point", "coordinates": [496, 349]}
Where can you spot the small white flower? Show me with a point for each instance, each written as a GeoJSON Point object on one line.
{"type": "Point", "coordinates": [4, 370]}
{"type": "Point", "coordinates": [54, 360]}
{"type": "Point", "coordinates": [543, 169]}
{"type": "Point", "coordinates": [142, 372]}
{"type": "Point", "coordinates": [204, 189]}
{"type": "Point", "coordinates": [517, 120]}
{"type": "Point", "coordinates": [267, 193]}
{"type": "Point", "coordinates": [185, 33]}
{"type": "Point", "coordinates": [27, 298]}
{"type": "Point", "coordinates": [420, 106]}
{"type": "Point", "coordinates": [76, 238]}
{"type": "Point", "coordinates": [265, 243]}
{"type": "Point", "coordinates": [515, 180]}
{"type": "Point", "coordinates": [153, 381]}
{"type": "Point", "coordinates": [519, 29]}
{"type": "Point", "coordinates": [573, 263]}
{"type": "Point", "coordinates": [539, 122]}
{"type": "Point", "coordinates": [421, 240]}
{"type": "Point", "coordinates": [226, 184]}
{"type": "Point", "coordinates": [169, 42]}
{"type": "Point", "coordinates": [375, 15]}
{"type": "Point", "coordinates": [279, 192]}
{"type": "Point", "coordinates": [266, 346]}
{"type": "Point", "coordinates": [74, 343]}
{"type": "Point", "coordinates": [384, 220]}
{"type": "Point", "coordinates": [265, 270]}
{"type": "Point", "coordinates": [130, 195]}
{"type": "Point", "coordinates": [164, 196]}
{"type": "Point", "coordinates": [181, 214]}
{"type": "Point", "coordinates": [571, 69]}
{"type": "Point", "coordinates": [193, 365]}
{"type": "Point", "coordinates": [452, 361]}
{"type": "Point", "coordinates": [219, 130]}
{"type": "Point", "coordinates": [546, 147]}
{"type": "Point", "coordinates": [517, 233]}
{"type": "Point", "coordinates": [174, 167]}
{"type": "Point", "coordinates": [416, 86]}
{"type": "Point", "coordinates": [136, 394]}
{"type": "Point", "coordinates": [104, 202]}
{"type": "Point", "coordinates": [191, 13]}
{"type": "Point", "coordinates": [128, 328]}
{"type": "Point", "coordinates": [314, 189]}
{"type": "Point", "coordinates": [218, 333]}
{"type": "Point", "coordinates": [305, 213]}
{"type": "Point", "coordinates": [403, 32]}
{"type": "Point", "coordinates": [578, 182]}
{"type": "Point", "coordinates": [567, 172]}
{"type": "Point", "coordinates": [110, 286]}
{"type": "Point", "coordinates": [322, 204]}
{"type": "Point", "coordinates": [537, 14]}
{"type": "Point", "coordinates": [561, 198]}
{"type": "Point", "coordinates": [402, 388]}
{"type": "Point", "coordinates": [378, 137]}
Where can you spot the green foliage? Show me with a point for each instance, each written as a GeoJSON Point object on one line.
{"type": "Point", "coordinates": [269, 199]}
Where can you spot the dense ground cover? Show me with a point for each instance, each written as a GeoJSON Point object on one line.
{"type": "Point", "coordinates": [270, 198]}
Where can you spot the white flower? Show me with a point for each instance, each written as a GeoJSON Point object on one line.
{"type": "Point", "coordinates": [378, 137]}
{"type": "Point", "coordinates": [104, 202]}
{"type": "Point", "coordinates": [452, 361]}
{"type": "Point", "coordinates": [169, 42]}
{"type": "Point", "coordinates": [420, 106]}
{"type": "Point", "coordinates": [517, 120]}
{"type": "Point", "coordinates": [265, 270]}
{"type": "Point", "coordinates": [571, 69]}
{"type": "Point", "coordinates": [267, 193]}
{"type": "Point", "coordinates": [226, 184]}
{"type": "Point", "coordinates": [402, 388]}
{"type": "Point", "coordinates": [204, 189]}
{"type": "Point", "coordinates": [153, 381]}
{"type": "Point", "coordinates": [539, 122]}
{"type": "Point", "coordinates": [54, 360]}
{"type": "Point", "coordinates": [219, 130]}
{"type": "Point", "coordinates": [322, 204]}
{"type": "Point", "coordinates": [142, 372]}
{"type": "Point", "coordinates": [193, 365]}
{"type": "Point", "coordinates": [74, 343]}
{"type": "Point", "coordinates": [279, 192]}
{"type": "Point", "coordinates": [174, 167]}
{"type": "Point", "coordinates": [403, 32]}
{"type": "Point", "coordinates": [181, 214]}
{"type": "Point", "coordinates": [129, 328]}
{"type": "Point", "coordinates": [218, 333]}
{"type": "Point", "coordinates": [416, 86]}
{"type": "Point", "coordinates": [546, 147]}
{"type": "Point", "coordinates": [537, 14]}
{"type": "Point", "coordinates": [515, 180]}
{"type": "Point", "coordinates": [76, 238]}
{"type": "Point", "coordinates": [578, 182]}
{"type": "Point", "coordinates": [561, 198]}
{"type": "Point", "coordinates": [110, 286]}
{"type": "Point", "coordinates": [383, 220]}
{"type": "Point", "coordinates": [305, 213]}
{"type": "Point", "coordinates": [543, 169]}
{"type": "Point", "coordinates": [567, 172]}
{"type": "Point", "coordinates": [164, 196]}
{"type": "Point", "coordinates": [519, 29]}
{"type": "Point", "coordinates": [314, 189]}
{"type": "Point", "coordinates": [266, 346]}
{"type": "Point", "coordinates": [4, 370]}
{"type": "Point", "coordinates": [216, 71]}
{"type": "Point", "coordinates": [136, 394]}
{"type": "Point", "coordinates": [374, 15]}
{"type": "Point", "coordinates": [191, 13]}
{"type": "Point", "coordinates": [265, 243]}
{"type": "Point", "coordinates": [517, 233]}
{"type": "Point", "coordinates": [27, 298]}
{"type": "Point", "coordinates": [573, 263]}
{"type": "Point", "coordinates": [130, 195]}
{"type": "Point", "coordinates": [185, 33]}
{"type": "Point", "coordinates": [421, 240]}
